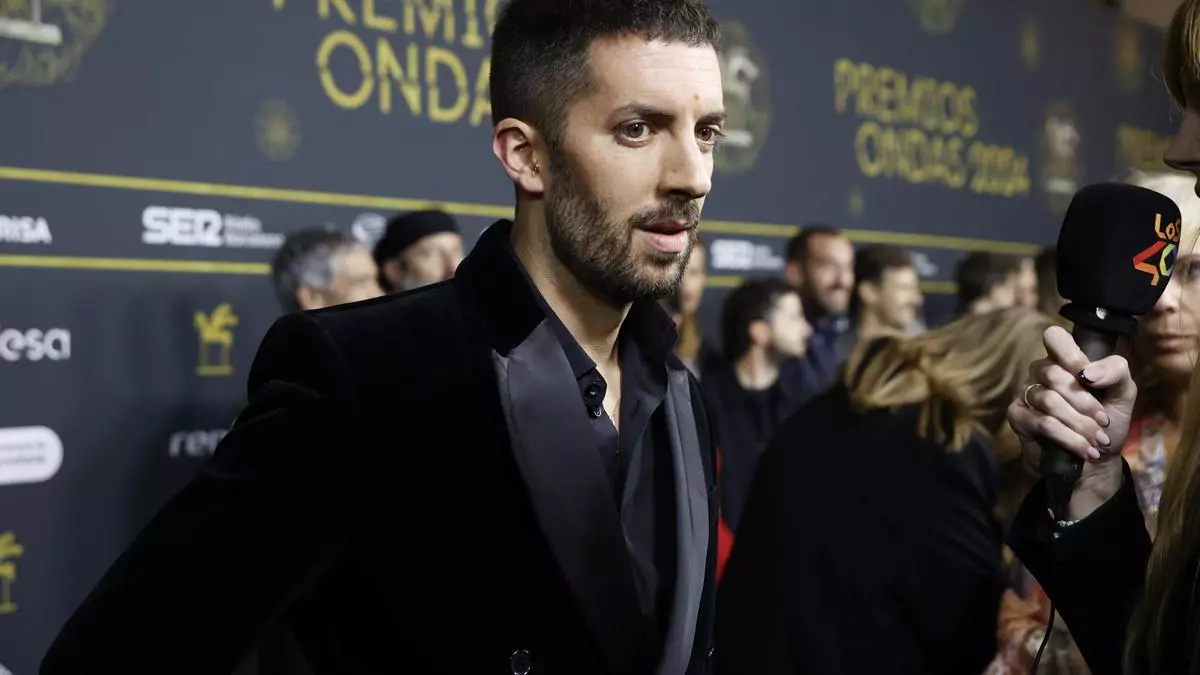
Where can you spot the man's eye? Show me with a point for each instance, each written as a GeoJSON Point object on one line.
{"type": "Point", "coordinates": [710, 135]}
{"type": "Point", "coordinates": [635, 131]}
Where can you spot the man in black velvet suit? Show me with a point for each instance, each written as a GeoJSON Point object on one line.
{"type": "Point", "coordinates": [505, 472]}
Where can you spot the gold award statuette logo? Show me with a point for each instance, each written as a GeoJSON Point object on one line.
{"type": "Point", "coordinates": [277, 131]}
{"type": "Point", "coordinates": [1127, 55]}
{"type": "Point", "coordinates": [747, 99]}
{"type": "Point", "coordinates": [937, 17]}
{"type": "Point", "coordinates": [215, 332]}
{"type": "Point", "coordinates": [1030, 44]}
{"type": "Point", "coordinates": [10, 550]}
{"type": "Point", "coordinates": [1060, 157]}
{"type": "Point", "coordinates": [42, 41]}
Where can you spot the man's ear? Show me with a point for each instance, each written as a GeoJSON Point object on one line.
{"type": "Point", "coordinates": [309, 298]}
{"type": "Point", "coordinates": [393, 271]}
{"type": "Point", "coordinates": [516, 144]}
{"type": "Point", "coordinates": [793, 273]}
{"type": "Point", "coordinates": [868, 294]}
{"type": "Point", "coordinates": [760, 332]}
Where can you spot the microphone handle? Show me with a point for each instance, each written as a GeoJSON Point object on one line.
{"type": "Point", "coordinates": [1061, 469]}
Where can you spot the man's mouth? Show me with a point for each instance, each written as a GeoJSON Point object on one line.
{"type": "Point", "coordinates": [668, 236]}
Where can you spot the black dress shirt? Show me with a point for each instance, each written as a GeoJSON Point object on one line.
{"type": "Point", "coordinates": [638, 457]}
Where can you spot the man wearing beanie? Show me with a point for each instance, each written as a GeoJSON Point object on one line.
{"type": "Point", "coordinates": [418, 249]}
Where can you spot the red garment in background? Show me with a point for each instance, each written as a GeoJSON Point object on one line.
{"type": "Point", "coordinates": [724, 535]}
{"type": "Point", "coordinates": [724, 546]}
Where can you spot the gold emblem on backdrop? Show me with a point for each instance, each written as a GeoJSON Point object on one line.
{"type": "Point", "coordinates": [215, 333]}
{"type": "Point", "coordinates": [1127, 55]}
{"type": "Point", "coordinates": [857, 202]}
{"type": "Point", "coordinates": [937, 17]}
{"type": "Point", "coordinates": [277, 131]}
{"type": "Point", "coordinates": [42, 41]}
{"type": "Point", "coordinates": [747, 86]}
{"type": "Point", "coordinates": [1061, 163]}
{"type": "Point", "coordinates": [1030, 44]}
{"type": "Point", "coordinates": [10, 550]}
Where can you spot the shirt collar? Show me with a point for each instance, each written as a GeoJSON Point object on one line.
{"type": "Point", "coordinates": [647, 325]}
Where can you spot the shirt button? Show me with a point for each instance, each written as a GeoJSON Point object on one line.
{"type": "Point", "coordinates": [519, 663]}
{"type": "Point", "coordinates": [592, 390]}
{"type": "Point", "coordinates": [596, 411]}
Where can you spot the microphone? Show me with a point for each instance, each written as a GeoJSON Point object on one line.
{"type": "Point", "coordinates": [1115, 255]}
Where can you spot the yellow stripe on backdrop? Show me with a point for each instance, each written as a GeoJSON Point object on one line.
{"type": "Point", "coordinates": [13, 173]}
{"type": "Point", "coordinates": [927, 287]}
{"type": "Point", "coordinates": [135, 265]}
{"type": "Point", "coordinates": [287, 195]}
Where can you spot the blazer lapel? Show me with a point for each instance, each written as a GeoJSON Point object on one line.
{"type": "Point", "coordinates": [692, 521]}
{"type": "Point", "coordinates": [571, 494]}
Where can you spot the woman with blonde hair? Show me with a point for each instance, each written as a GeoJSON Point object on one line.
{"type": "Point", "coordinates": [1132, 607]}
{"type": "Point", "coordinates": [868, 543]}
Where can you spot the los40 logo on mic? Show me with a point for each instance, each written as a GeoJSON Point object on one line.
{"type": "Point", "coordinates": [1165, 251]}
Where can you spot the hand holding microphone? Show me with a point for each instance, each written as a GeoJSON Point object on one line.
{"type": "Point", "coordinates": [1079, 405]}
{"type": "Point", "coordinates": [1115, 255]}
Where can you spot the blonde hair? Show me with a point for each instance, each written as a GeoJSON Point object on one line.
{"type": "Point", "coordinates": [962, 375]}
{"type": "Point", "coordinates": [1181, 51]}
{"type": "Point", "coordinates": [691, 338]}
{"type": "Point", "coordinates": [1165, 627]}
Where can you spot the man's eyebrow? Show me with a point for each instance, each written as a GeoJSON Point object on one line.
{"type": "Point", "coordinates": [651, 113]}
{"type": "Point", "coordinates": [645, 111]}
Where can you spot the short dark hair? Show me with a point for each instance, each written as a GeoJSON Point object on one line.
{"type": "Point", "coordinates": [872, 261]}
{"type": "Point", "coordinates": [753, 301]}
{"type": "Point", "coordinates": [870, 264]}
{"type": "Point", "coordinates": [797, 248]}
{"type": "Point", "coordinates": [540, 48]}
{"type": "Point", "coordinates": [306, 259]}
{"type": "Point", "coordinates": [980, 272]}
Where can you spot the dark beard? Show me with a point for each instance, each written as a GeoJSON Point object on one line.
{"type": "Point", "coordinates": [599, 252]}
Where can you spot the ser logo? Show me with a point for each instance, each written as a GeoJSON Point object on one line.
{"type": "Point", "coordinates": [175, 226]}
{"type": "Point", "coordinates": [1159, 258]}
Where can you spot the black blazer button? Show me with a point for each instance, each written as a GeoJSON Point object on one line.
{"type": "Point", "coordinates": [519, 662]}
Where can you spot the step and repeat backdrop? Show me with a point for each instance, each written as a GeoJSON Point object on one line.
{"type": "Point", "coordinates": [155, 153]}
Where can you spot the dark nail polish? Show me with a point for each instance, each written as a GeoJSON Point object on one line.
{"type": "Point", "coordinates": [1084, 378]}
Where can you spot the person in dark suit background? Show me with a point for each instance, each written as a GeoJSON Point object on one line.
{"type": "Point", "coordinates": [752, 393]}
{"type": "Point", "coordinates": [820, 262]}
{"type": "Point", "coordinates": [319, 268]}
{"type": "Point", "coordinates": [418, 249]}
{"type": "Point", "coordinates": [868, 543]}
{"type": "Point", "coordinates": [434, 481]}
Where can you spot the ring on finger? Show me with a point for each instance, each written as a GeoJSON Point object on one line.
{"type": "Point", "coordinates": [1025, 396]}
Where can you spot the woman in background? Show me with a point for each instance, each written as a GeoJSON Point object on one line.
{"type": "Point", "coordinates": [695, 352]}
{"type": "Point", "coordinates": [868, 543]}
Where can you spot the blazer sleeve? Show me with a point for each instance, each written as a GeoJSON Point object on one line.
{"type": "Point", "coordinates": [211, 572]}
{"type": "Point", "coordinates": [1093, 571]}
